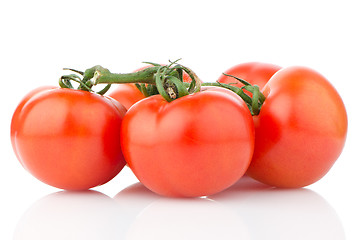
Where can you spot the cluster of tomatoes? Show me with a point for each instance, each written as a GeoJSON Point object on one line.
{"type": "Point", "coordinates": [195, 145]}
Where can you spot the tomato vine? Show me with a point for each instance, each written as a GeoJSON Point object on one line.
{"type": "Point", "coordinates": [160, 79]}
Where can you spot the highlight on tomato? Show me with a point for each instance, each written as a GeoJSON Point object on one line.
{"type": "Point", "coordinates": [16, 121]}
{"type": "Point", "coordinates": [300, 131]}
{"type": "Point", "coordinates": [68, 138]}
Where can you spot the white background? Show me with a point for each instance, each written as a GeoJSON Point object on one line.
{"type": "Point", "coordinates": [39, 38]}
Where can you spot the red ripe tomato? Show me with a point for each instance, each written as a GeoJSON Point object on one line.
{"type": "Point", "coordinates": [67, 138]}
{"type": "Point", "coordinates": [300, 131]}
{"type": "Point", "coordinates": [188, 147]}
{"type": "Point", "coordinates": [256, 73]}
{"type": "Point", "coordinates": [128, 94]}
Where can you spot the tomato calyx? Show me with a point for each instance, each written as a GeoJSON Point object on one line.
{"type": "Point", "coordinates": [159, 79]}
{"type": "Point", "coordinates": [255, 102]}
{"type": "Point", "coordinates": [170, 85]}
{"type": "Point", "coordinates": [85, 83]}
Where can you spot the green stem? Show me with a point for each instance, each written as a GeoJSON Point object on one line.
{"type": "Point", "coordinates": [102, 75]}
{"type": "Point", "coordinates": [255, 101]}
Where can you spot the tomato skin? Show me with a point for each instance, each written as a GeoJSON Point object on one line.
{"type": "Point", "coordinates": [127, 94]}
{"type": "Point", "coordinates": [69, 139]}
{"type": "Point", "coordinates": [15, 119]}
{"type": "Point", "coordinates": [256, 73]}
{"type": "Point", "coordinates": [222, 90]}
{"type": "Point", "coordinates": [188, 147]}
{"type": "Point", "coordinates": [300, 131]}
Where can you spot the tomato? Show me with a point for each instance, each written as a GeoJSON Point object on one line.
{"type": "Point", "coordinates": [188, 147]}
{"type": "Point", "coordinates": [128, 94]}
{"type": "Point", "coordinates": [300, 131]}
{"type": "Point", "coordinates": [67, 138]}
{"type": "Point", "coordinates": [256, 73]}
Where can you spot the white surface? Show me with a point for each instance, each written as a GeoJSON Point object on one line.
{"type": "Point", "coordinates": [39, 38]}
